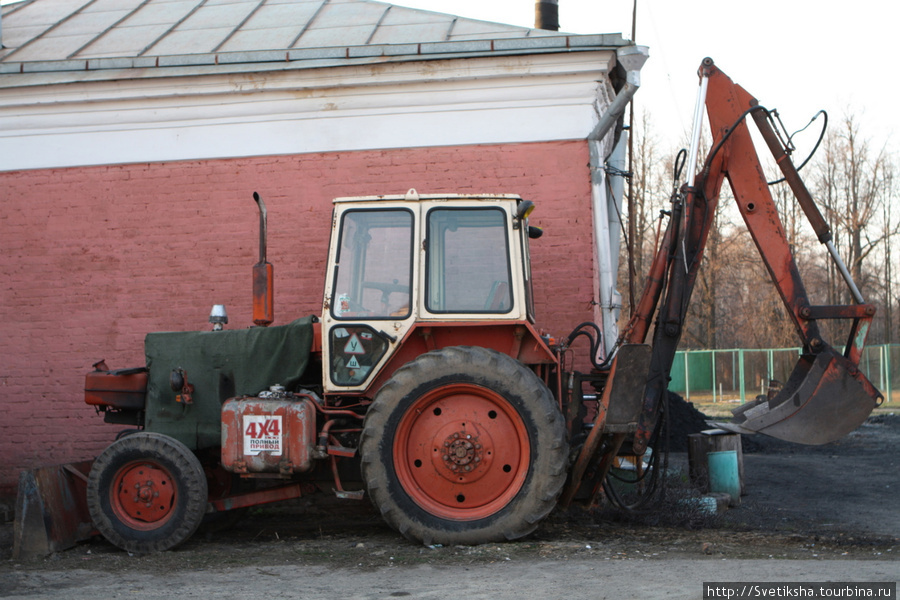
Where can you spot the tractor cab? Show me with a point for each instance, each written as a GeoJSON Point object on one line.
{"type": "Point", "coordinates": [397, 263]}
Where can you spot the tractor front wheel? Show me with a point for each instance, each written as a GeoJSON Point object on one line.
{"type": "Point", "coordinates": [464, 445]}
{"type": "Point", "coordinates": [147, 492]}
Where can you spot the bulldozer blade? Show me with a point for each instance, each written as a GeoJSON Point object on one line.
{"type": "Point", "coordinates": [825, 398]}
{"type": "Point", "coordinates": [51, 510]}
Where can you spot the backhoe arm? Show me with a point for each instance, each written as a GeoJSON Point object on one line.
{"type": "Point", "coordinates": [827, 396]}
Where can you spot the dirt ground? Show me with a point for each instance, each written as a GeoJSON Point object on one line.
{"type": "Point", "coordinates": [827, 513]}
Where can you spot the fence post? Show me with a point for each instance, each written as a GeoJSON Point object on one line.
{"type": "Point", "coordinates": [687, 377]}
{"type": "Point", "coordinates": [741, 374]}
{"type": "Point", "coordinates": [734, 371]}
{"type": "Point", "coordinates": [888, 371]}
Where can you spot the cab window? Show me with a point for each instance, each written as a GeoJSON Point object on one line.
{"type": "Point", "coordinates": [467, 261]}
{"type": "Point", "coordinates": [373, 273]}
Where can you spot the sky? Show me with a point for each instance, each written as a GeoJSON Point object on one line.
{"type": "Point", "coordinates": [798, 56]}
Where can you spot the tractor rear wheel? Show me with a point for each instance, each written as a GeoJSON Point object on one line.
{"type": "Point", "coordinates": [147, 492]}
{"type": "Point", "coordinates": [464, 445]}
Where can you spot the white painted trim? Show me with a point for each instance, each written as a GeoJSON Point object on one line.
{"type": "Point", "coordinates": [398, 105]}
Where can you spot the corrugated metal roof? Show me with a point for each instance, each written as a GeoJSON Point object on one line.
{"type": "Point", "coordinates": [41, 36]}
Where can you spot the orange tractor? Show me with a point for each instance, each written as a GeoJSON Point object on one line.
{"type": "Point", "coordinates": [427, 380]}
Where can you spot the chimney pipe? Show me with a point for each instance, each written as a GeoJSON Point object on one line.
{"type": "Point", "coordinates": [546, 14]}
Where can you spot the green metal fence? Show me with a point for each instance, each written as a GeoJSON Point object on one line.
{"type": "Point", "coordinates": [728, 375]}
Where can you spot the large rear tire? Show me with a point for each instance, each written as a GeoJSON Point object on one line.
{"type": "Point", "coordinates": [146, 493]}
{"type": "Point", "coordinates": [464, 445]}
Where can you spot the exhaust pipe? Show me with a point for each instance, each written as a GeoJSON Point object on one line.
{"type": "Point", "coordinates": [546, 15]}
{"type": "Point", "coordinates": [263, 289]}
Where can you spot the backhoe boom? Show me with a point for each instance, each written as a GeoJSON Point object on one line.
{"type": "Point", "coordinates": [826, 396]}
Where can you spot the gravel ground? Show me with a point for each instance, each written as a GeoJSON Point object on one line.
{"type": "Point", "coordinates": [827, 513]}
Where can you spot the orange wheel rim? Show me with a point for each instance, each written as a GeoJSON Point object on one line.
{"type": "Point", "coordinates": [143, 495]}
{"type": "Point", "coordinates": [461, 452]}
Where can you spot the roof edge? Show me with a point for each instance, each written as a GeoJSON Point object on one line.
{"type": "Point", "coordinates": [324, 57]}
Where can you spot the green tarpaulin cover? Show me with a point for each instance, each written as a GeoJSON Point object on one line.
{"type": "Point", "coordinates": [220, 365]}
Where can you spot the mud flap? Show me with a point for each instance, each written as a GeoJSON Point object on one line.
{"type": "Point", "coordinates": [51, 510]}
{"type": "Point", "coordinates": [825, 398]}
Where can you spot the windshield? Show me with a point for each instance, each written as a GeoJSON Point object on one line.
{"type": "Point", "coordinates": [373, 273]}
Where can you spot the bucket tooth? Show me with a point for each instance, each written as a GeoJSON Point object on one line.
{"type": "Point", "coordinates": [825, 398]}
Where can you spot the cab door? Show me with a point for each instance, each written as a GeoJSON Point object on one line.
{"type": "Point", "coordinates": [370, 291]}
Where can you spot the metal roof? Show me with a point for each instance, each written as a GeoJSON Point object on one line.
{"type": "Point", "coordinates": [52, 36]}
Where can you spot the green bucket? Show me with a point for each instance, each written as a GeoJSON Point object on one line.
{"type": "Point", "coordinates": [723, 474]}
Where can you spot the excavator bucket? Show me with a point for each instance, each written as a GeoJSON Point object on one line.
{"type": "Point", "coordinates": [51, 510]}
{"type": "Point", "coordinates": [825, 398]}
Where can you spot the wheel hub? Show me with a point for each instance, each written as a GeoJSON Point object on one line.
{"type": "Point", "coordinates": [145, 494]}
{"type": "Point", "coordinates": [462, 452]}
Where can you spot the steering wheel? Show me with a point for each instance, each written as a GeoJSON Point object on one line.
{"type": "Point", "coordinates": [386, 289]}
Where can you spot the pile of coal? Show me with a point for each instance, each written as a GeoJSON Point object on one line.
{"type": "Point", "coordinates": [684, 419]}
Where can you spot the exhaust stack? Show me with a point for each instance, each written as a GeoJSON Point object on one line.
{"type": "Point", "coordinates": [263, 289]}
{"type": "Point", "coordinates": [546, 15]}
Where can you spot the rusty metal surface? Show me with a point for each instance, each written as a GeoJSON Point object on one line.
{"type": "Point", "coordinates": [830, 399]}
{"type": "Point", "coordinates": [821, 402]}
{"type": "Point", "coordinates": [263, 276]}
{"type": "Point", "coordinates": [601, 444]}
{"type": "Point", "coordinates": [268, 435]}
{"type": "Point", "coordinates": [631, 373]}
{"type": "Point", "coordinates": [266, 496]}
{"type": "Point", "coordinates": [51, 510]}
{"type": "Point", "coordinates": [124, 389]}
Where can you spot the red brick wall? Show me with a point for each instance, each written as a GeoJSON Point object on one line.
{"type": "Point", "coordinates": [94, 258]}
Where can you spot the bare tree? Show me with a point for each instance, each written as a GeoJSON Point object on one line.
{"type": "Point", "coordinates": [852, 186]}
{"type": "Point", "coordinates": [890, 226]}
{"type": "Point", "coordinates": [649, 195]}
{"type": "Point", "coordinates": [734, 303]}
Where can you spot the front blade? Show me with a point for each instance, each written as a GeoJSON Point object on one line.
{"type": "Point", "coordinates": [51, 510]}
